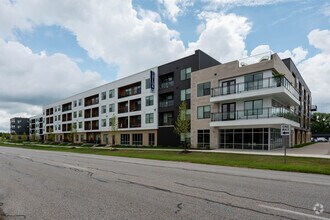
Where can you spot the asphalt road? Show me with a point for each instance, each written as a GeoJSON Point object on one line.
{"type": "Point", "coordinates": [57, 185]}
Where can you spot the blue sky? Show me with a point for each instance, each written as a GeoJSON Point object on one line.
{"type": "Point", "coordinates": [88, 43]}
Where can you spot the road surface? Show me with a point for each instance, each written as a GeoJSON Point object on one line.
{"type": "Point", "coordinates": [58, 185]}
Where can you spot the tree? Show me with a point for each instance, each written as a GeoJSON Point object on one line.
{"type": "Point", "coordinates": [182, 124]}
{"type": "Point", "coordinates": [33, 136]}
{"type": "Point", "coordinates": [50, 136]}
{"type": "Point", "coordinates": [24, 137]}
{"type": "Point", "coordinates": [15, 137]}
{"type": "Point", "coordinates": [73, 132]}
{"type": "Point", "coordinates": [3, 136]}
{"type": "Point", "coordinates": [113, 128]}
{"type": "Point", "coordinates": [320, 123]}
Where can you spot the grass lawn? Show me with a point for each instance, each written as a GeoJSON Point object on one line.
{"type": "Point", "coordinates": [294, 164]}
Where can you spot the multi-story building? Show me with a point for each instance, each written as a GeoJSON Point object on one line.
{"type": "Point", "coordinates": [237, 105]}
{"type": "Point", "coordinates": [19, 126]}
{"type": "Point", "coordinates": [174, 87]}
{"type": "Point", "coordinates": [132, 101]}
{"type": "Point", "coordinates": [242, 104]}
{"type": "Point", "coordinates": [36, 127]}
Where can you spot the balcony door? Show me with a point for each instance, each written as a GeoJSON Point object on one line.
{"type": "Point", "coordinates": [228, 111]}
{"type": "Point", "coordinates": [228, 87]}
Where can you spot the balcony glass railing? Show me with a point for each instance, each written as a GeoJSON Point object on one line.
{"type": "Point", "coordinates": [255, 59]}
{"type": "Point", "coordinates": [166, 85]}
{"type": "Point", "coordinates": [167, 103]}
{"type": "Point", "coordinates": [270, 82]}
{"type": "Point", "coordinates": [271, 112]}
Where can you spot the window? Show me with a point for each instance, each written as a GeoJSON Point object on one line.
{"type": "Point", "coordinates": [151, 137]}
{"type": "Point", "coordinates": [59, 117]}
{"type": "Point", "coordinates": [148, 84]}
{"type": "Point", "coordinates": [75, 103]}
{"type": "Point", "coordinates": [104, 109]}
{"type": "Point", "coordinates": [105, 138]}
{"type": "Point", "coordinates": [253, 107]}
{"type": "Point", "coordinates": [80, 125]}
{"type": "Point", "coordinates": [103, 122]}
{"type": "Point", "coordinates": [137, 139]}
{"type": "Point", "coordinates": [149, 118]}
{"type": "Point", "coordinates": [103, 95]}
{"type": "Point", "coordinates": [74, 114]}
{"type": "Point", "coordinates": [111, 107]}
{"type": "Point", "coordinates": [167, 118]}
{"type": "Point", "coordinates": [80, 102]}
{"type": "Point", "coordinates": [253, 81]}
{"type": "Point", "coordinates": [80, 113]}
{"type": "Point", "coordinates": [185, 94]}
{"type": "Point", "coordinates": [111, 93]}
{"type": "Point", "coordinates": [149, 100]}
{"type": "Point", "coordinates": [203, 111]}
{"type": "Point", "coordinates": [124, 139]}
{"type": "Point", "coordinates": [185, 73]}
{"type": "Point", "coordinates": [203, 138]}
{"type": "Point", "coordinates": [203, 89]}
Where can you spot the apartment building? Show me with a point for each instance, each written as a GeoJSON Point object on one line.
{"type": "Point", "coordinates": [242, 104]}
{"type": "Point", "coordinates": [86, 117]}
{"type": "Point", "coordinates": [19, 126]}
{"type": "Point", "coordinates": [36, 127]}
{"type": "Point", "coordinates": [175, 87]}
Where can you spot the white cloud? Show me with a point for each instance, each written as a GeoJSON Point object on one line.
{"type": "Point", "coordinates": [297, 54]}
{"type": "Point", "coordinates": [29, 80]}
{"type": "Point", "coordinates": [174, 8]}
{"type": "Point", "coordinates": [223, 4]}
{"type": "Point", "coordinates": [260, 49]}
{"type": "Point", "coordinates": [223, 36]}
{"type": "Point", "coordinates": [316, 69]}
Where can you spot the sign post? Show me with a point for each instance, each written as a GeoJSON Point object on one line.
{"type": "Point", "coordinates": [285, 131]}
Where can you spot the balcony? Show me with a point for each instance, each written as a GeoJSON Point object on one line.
{"type": "Point", "coordinates": [135, 121]}
{"type": "Point", "coordinates": [123, 107]}
{"type": "Point", "coordinates": [263, 116]}
{"type": "Point", "coordinates": [123, 122]}
{"type": "Point", "coordinates": [135, 105]}
{"type": "Point", "coordinates": [67, 107]}
{"type": "Point", "coordinates": [279, 88]}
{"type": "Point", "coordinates": [132, 89]}
{"type": "Point", "coordinates": [167, 103]}
{"type": "Point", "coordinates": [166, 85]}
{"type": "Point", "coordinates": [92, 100]}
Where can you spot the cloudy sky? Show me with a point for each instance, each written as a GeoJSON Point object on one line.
{"type": "Point", "coordinates": [53, 49]}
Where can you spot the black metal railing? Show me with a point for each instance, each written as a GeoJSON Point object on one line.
{"type": "Point", "coordinates": [270, 82]}
{"type": "Point", "coordinates": [271, 112]}
{"type": "Point", "coordinates": [167, 103]}
{"type": "Point", "coordinates": [166, 85]}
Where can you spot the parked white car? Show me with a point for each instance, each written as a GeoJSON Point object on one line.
{"type": "Point", "coordinates": [321, 139]}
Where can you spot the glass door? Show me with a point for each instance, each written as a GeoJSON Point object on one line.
{"type": "Point", "coordinates": [228, 111]}
{"type": "Point", "coordinates": [228, 87]}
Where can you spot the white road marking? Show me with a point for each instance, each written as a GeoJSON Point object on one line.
{"type": "Point", "coordinates": [293, 212]}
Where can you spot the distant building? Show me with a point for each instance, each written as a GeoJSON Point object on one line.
{"type": "Point", "coordinates": [36, 127]}
{"type": "Point", "coordinates": [19, 126]}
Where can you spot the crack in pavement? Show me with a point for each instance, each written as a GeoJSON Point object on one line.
{"type": "Point", "coordinates": [204, 199]}
{"type": "Point", "coordinates": [179, 206]}
{"type": "Point", "coordinates": [245, 197]}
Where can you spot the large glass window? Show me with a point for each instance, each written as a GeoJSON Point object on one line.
{"type": "Point", "coordinates": [112, 107]}
{"type": "Point", "coordinates": [203, 112]}
{"type": "Point", "coordinates": [124, 139]}
{"type": "Point", "coordinates": [149, 118]}
{"type": "Point", "coordinates": [253, 81]}
{"type": "Point", "coordinates": [203, 138]}
{"type": "Point", "coordinates": [150, 100]}
{"type": "Point", "coordinates": [111, 93]}
{"type": "Point", "coordinates": [148, 84]}
{"type": "Point", "coordinates": [104, 109]}
{"type": "Point", "coordinates": [185, 94]}
{"type": "Point", "coordinates": [253, 107]}
{"type": "Point", "coordinates": [203, 89]}
{"type": "Point", "coordinates": [137, 139]}
{"type": "Point", "coordinates": [151, 137]}
{"type": "Point", "coordinates": [248, 139]}
{"type": "Point", "coordinates": [103, 122]}
{"type": "Point", "coordinates": [103, 95]}
{"type": "Point", "coordinates": [185, 73]}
